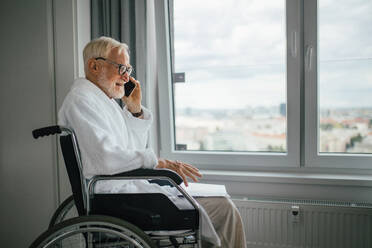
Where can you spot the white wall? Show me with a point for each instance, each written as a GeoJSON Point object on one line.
{"type": "Point", "coordinates": [27, 166]}
{"type": "Point", "coordinates": [83, 31]}
{"type": "Point", "coordinates": [41, 55]}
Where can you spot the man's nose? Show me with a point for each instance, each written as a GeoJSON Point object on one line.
{"type": "Point", "coordinates": [125, 77]}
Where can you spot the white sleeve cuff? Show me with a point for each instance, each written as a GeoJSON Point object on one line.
{"type": "Point", "coordinates": [150, 160]}
{"type": "Point", "coordinates": [137, 123]}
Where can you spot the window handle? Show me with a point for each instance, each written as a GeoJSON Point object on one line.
{"type": "Point", "coordinates": [309, 57]}
{"type": "Point", "coordinates": [294, 44]}
{"type": "Point", "coordinates": [179, 77]}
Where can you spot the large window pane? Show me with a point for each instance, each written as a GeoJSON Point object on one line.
{"type": "Point", "coordinates": [345, 76]}
{"type": "Point", "coordinates": [233, 54]}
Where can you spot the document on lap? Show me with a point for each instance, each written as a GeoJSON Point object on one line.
{"type": "Point", "coordinates": [206, 190]}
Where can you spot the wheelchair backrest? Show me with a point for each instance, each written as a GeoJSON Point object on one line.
{"type": "Point", "coordinates": [73, 171]}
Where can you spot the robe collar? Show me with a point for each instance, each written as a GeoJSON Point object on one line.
{"type": "Point", "coordinates": [91, 87]}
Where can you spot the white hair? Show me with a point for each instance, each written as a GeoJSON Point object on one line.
{"type": "Point", "coordinates": [101, 47]}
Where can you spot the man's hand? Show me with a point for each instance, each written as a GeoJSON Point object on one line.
{"type": "Point", "coordinates": [182, 169]}
{"type": "Point", "coordinates": [133, 101]}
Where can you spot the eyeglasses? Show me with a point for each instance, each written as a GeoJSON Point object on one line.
{"type": "Point", "coordinates": [122, 68]}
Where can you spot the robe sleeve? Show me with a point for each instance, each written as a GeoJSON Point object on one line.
{"type": "Point", "coordinates": [139, 127]}
{"type": "Point", "coordinates": [103, 156]}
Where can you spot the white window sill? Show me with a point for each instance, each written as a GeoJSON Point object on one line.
{"type": "Point", "coordinates": [288, 178]}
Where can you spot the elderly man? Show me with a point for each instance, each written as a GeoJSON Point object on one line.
{"type": "Point", "coordinates": [113, 139]}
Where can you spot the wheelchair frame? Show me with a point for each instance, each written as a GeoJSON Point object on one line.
{"type": "Point", "coordinates": [87, 186]}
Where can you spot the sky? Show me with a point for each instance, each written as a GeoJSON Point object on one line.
{"type": "Point", "coordinates": [233, 53]}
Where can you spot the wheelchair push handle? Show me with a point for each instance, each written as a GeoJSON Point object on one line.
{"type": "Point", "coordinates": [51, 130]}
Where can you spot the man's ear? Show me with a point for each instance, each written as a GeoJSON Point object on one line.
{"type": "Point", "coordinates": [93, 66]}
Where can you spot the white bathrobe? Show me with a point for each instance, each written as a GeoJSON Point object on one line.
{"type": "Point", "coordinates": [112, 141]}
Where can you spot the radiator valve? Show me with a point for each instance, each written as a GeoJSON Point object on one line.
{"type": "Point", "coordinates": [295, 211]}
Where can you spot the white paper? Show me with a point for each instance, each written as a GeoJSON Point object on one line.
{"type": "Point", "coordinates": [205, 190]}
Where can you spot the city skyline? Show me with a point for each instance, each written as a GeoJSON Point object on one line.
{"type": "Point", "coordinates": [263, 129]}
{"type": "Point", "coordinates": [200, 108]}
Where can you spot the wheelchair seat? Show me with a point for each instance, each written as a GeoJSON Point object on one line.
{"type": "Point", "coordinates": [150, 212]}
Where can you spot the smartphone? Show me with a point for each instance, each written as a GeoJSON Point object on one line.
{"type": "Point", "coordinates": [129, 87]}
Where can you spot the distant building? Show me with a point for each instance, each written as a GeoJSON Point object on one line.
{"type": "Point", "coordinates": [283, 109]}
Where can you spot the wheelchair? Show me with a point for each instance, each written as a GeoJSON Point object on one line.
{"type": "Point", "coordinates": [117, 220]}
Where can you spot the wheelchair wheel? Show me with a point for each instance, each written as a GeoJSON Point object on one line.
{"type": "Point", "coordinates": [66, 210]}
{"type": "Point", "coordinates": [93, 231]}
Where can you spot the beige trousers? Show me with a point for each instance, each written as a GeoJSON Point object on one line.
{"type": "Point", "coordinates": [226, 220]}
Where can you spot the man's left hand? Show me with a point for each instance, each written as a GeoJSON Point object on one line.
{"type": "Point", "coordinates": [182, 169]}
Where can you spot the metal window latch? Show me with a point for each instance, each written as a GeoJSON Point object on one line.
{"type": "Point", "coordinates": [309, 57]}
{"type": "Point", "coordinates": [179, 77]}
{"type": "Point", "coordinates": [294, 44]}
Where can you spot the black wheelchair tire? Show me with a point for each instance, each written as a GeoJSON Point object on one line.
{"type": "Point", "coordinates": [60, 228]}
{"type": "Point", "coordinates": [61, 208]}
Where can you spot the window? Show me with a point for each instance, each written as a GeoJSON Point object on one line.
{"type": "Point", "coordinates": [238, 75]}
{"type": "Point", "coordinates": [344, 77]}
{"type": "Point", "coordinates": [233, 94]}
{"type": "Point", "coordinates": [338, 83]}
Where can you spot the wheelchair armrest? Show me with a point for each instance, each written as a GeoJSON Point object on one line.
{"type": "Point", "coordinates": [163, 174]}
{"type": "Point", "coordinates": [150, 173]}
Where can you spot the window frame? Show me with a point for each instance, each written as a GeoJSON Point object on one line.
{"type": "Point", "coordinates": [230, 160]}
{"type": "Point", "coordinates": [312, 157]}
{"type": "Point", "coordinates": [302, 104]}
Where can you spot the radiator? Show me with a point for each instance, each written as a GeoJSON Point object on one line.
{"type": "Point", "coordinates": [306, 224]}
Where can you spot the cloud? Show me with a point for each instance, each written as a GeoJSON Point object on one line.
{"type": "Point", "coordinates": [228, 33]}
{"type": "Point", "coordinates": [345, 84]}
{"type": "Point", "coordinates": [224, 93]}
{"type": "Point", "coordinates": [234, 52]}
